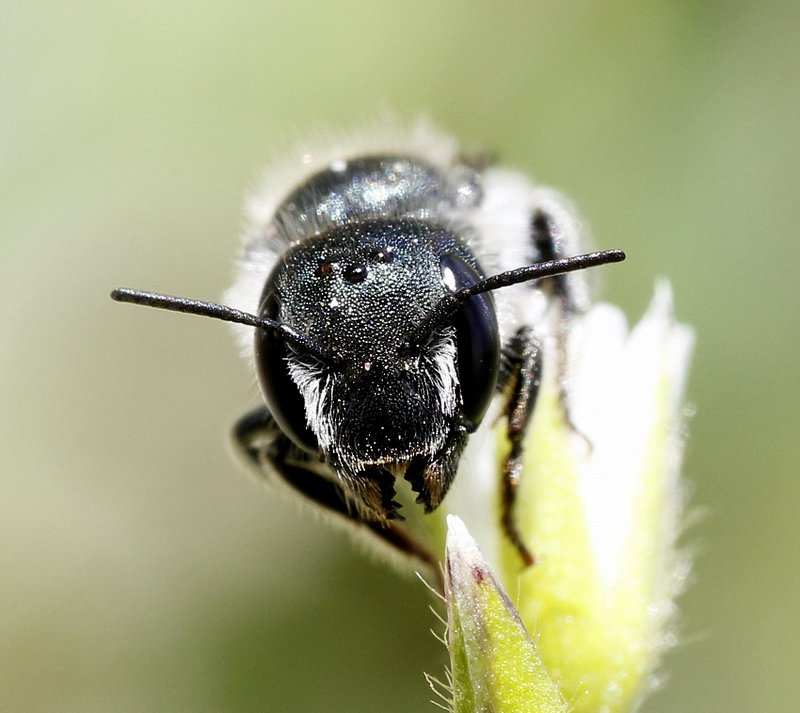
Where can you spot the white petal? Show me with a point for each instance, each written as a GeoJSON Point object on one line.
{"type": "Point", "coordinates": [616, 400]}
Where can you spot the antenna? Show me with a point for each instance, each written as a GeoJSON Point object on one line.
{"type": "Point", "coordinates": [226, 314]}
{"type": "Point", "coordinates": [443, 309]}
{"type": "Point", "coordinates": [450, 303]}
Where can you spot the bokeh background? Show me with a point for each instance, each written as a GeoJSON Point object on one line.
{"type": "Point", "coordinates": [140, 570]}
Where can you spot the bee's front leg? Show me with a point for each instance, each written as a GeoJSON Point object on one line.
{"type": "Point", "coordinates": [523, 366]}
{"type": "Point", "coordinates": [270, 452]}
{"type": "Point", "coordinates": [524, 362]}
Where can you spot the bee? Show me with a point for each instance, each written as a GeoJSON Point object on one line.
{"type": "Point", "coordinates": [366, 295]}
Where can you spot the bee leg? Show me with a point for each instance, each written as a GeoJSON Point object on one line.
{"type": "Point", "coordinates": [548, 247]}
{"type": "Point", "coordinates": [269, 451]}
{"type": "Point", "coordinates": [253, 433]}
{"type": "Point", "coordinates": [525, 366]}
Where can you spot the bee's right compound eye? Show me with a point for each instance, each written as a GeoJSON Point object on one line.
{"type": "Point", "coordinates": [283, 398]}
{"type": "Point", "coordinates": [477, 339]}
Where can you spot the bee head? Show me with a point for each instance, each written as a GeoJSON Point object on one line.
{"type": "Point", "coordinates": [376, 341]}
{"type": "Point", "coordinates": [388, 394]}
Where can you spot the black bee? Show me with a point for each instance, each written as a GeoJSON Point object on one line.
{"type": "Point", "coordinates": [368, 275]}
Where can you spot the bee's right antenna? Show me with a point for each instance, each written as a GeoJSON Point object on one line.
{"type": "Point", "coordinates": [449, 304]}
{"type": "Point", "coordinates": [228, 314]}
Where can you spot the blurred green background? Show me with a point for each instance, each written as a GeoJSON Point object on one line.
{"type": "Point", "coordinates": [141, 570]}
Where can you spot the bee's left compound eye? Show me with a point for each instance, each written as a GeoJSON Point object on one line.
{"type": "Point", "coordinates": [477, 339]}
{"type": "Point", "coordinates": [283, 398]}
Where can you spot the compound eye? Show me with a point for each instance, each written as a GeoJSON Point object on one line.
{"type": "Point", "coordinates": [477, 339]}
{"type": "Point", "coordinates": [283, 398]}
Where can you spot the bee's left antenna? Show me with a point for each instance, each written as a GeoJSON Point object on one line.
{"type": "Point", "coordinates": [227, 314]}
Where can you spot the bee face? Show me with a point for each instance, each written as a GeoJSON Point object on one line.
{"type": "Point", "coordinates": [361, 290]}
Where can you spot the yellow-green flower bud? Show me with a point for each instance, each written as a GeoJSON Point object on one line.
{"type": "Point", "coordinates": [599, 506]}
{"type": "Point", "coordinates": [494, 663]}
